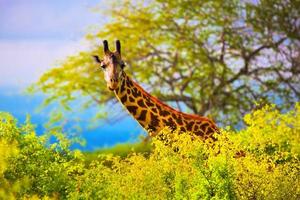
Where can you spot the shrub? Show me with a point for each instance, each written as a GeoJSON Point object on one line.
{"type": "Point", "coordinates": [33, 167]}
{"type": "Point", "coordinates": [183, 168]}
{"type": "Point", "coordinates": [178, 167]}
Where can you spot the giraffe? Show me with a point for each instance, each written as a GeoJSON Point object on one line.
{"type": "Point", "coordinates": [151, 113]}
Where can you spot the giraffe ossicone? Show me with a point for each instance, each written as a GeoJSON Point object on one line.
{"type": "Point", "coordinates": [151, 113]}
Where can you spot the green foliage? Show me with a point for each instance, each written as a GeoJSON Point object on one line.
{"type": "Point", "coordinates": [30, 168]}
{"type": "Point", "coordinates": [214, 57]}
{"type": "Point", "coordinates": [177, 167]}
{"type": "Point", "coordinates": [121, 150]}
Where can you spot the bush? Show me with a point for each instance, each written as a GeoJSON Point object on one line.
{"type": "Point", "coordinates": [178, 167]}
{"type": "Point", "coordinates": [31, 166]}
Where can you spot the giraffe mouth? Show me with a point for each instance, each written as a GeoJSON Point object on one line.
{"type": "Point", "coordinates": [111, 89]}
{"type": "Point", "coordinates": [112, 86]}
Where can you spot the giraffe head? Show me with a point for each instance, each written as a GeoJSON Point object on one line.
{"type": "Point", "coordinates": [112, 65]}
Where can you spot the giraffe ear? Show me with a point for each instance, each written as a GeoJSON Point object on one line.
{"type": "Point", "coordinates": [105, 45]}
{"type": "Point", "coordinates": [96, 58]}
{"type": "Point", "coordinates": [118, 46]}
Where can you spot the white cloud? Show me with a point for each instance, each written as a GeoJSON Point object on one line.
{"type": "Point", "coordinates": [23, 62]}
{"type": "Point", "coordinates": [35, 34]}
{"type": "Point", "coordinates": [56, 19]}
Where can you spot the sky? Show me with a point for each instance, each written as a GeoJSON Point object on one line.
{"type": "Point", "coordinates": [36, 34]}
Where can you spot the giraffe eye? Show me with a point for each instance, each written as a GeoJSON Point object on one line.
{"type": "Point", "coordinates": [103, 66]}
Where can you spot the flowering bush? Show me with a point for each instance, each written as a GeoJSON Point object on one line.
{"type": "Point", "coordinates": [178, 167]}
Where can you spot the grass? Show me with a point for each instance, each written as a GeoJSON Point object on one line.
{"type": "Point", "coordinates": [121, 150]}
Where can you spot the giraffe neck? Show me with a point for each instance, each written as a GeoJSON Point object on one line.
{"type": "Point", "coordinates": [153, 115]}
{"type": "Point", "coordinates": [138, 103]}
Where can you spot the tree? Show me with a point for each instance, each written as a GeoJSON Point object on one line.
{"type": "Point", "coordinates": [211, 57]}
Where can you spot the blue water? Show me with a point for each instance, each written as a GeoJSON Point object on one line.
{"type": "Point", "coordinates": [104, 135]}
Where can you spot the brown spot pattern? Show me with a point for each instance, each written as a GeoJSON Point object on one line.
{"type": "Point", "coordinates": [141, 103]}
{"type": "Point", "coordinates": [154, 119]}
{"type": "Point", "coordinates": [122, 86]}
{"type": "Point", "coordinates": [129, 83]}
{"type": "Point", "coordinates": [170, 123]}
{"type": "Point", "coordinates": [149, 104]}
{"type": "Point", "coordinates": [131, 99]}
{"type": "Point", "coordinates": [177, 119]}
{"type": "Point", "coordinates": [124, 99]}
{"type": "Point", "coordinates": [182, 129]}
{"type": "Point", "coordinates": [142, 116]}
{"type": "Point", "coordinates": [137, 101]}
{"type": "Point", "coordinates": [189, 126]}
{"type": "Point", "coordinates": [136, 93]}
{"type": "Point", "coordinates": [203, 126]}
{"type": "Point", "coordinates": [132, 109]}
{"type": "Point", "coordinates": [152, 128]}
{"type": "Point", "coordinates": [162, 111]}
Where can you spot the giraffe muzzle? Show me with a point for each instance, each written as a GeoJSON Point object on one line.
{"type": "Point", "coordinates": [113, 84]}
{"type": "Point", "coordinates": [110, 89]}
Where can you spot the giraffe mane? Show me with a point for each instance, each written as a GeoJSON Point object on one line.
{"type": "Point", "coordinates": [155, 99]}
